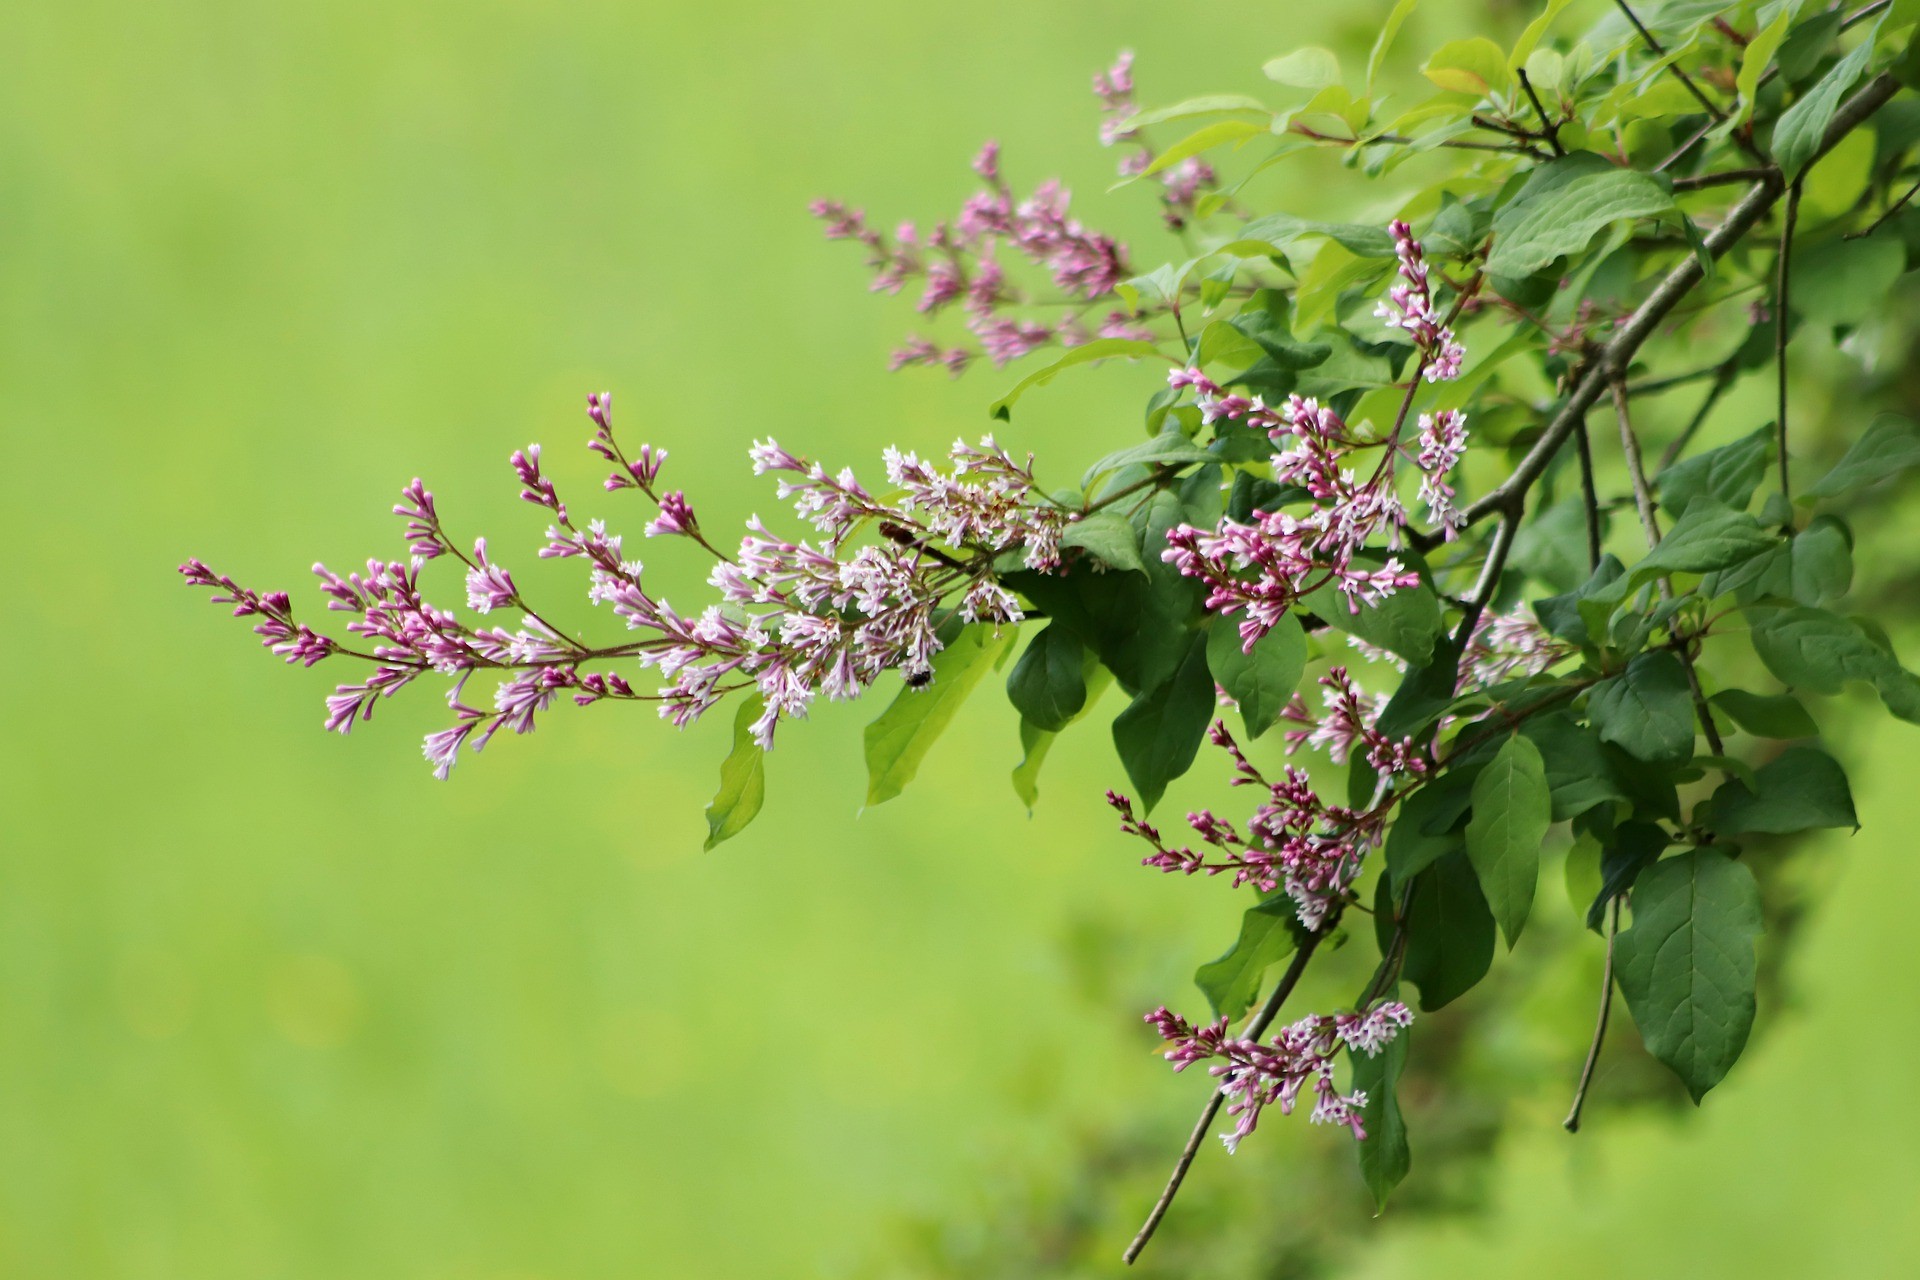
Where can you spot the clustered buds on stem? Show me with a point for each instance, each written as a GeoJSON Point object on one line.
{"type": "Point", "coordinates": [795, 619]}
{"type": "Point", "coordinates": [1255, 1075]}
{"type": "Point", "coordinates": [960, 260]}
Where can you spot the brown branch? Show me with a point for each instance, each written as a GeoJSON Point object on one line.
{"type": "Point", "coordinates": [1637, 328]}
{"type": "Point", "coordinates": [1780, 333]}
{"type": "Point", "coordinates": [1589, 495]}
{"type": "Point", "coordinates": [1548, 129]}
{"type": "Point", "coordinates": [1268, 1012]}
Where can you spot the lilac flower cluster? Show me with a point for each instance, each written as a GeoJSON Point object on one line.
{"type": "Point", "coordinates": [1255, 1075]}
{"type": "Point", "coordinates": [1295, 840]}
{"type": "Point", "coordinates": [961, 261]}
{"type": "Point", "coordinates": [795, 619]}
{"type": "Point", "coordinates": [1262, 568]}
{"type": "Point", "coordinates": [1409, 307]}
{"type": "Point", "coordinates": [1181, 183]}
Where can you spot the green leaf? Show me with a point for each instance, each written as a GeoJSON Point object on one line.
{"type": "Point", "coordinates": [1048, 685]}
{"type": "Point", "coordinates": [1560, 614]}
{"type": "Point", "coordinates": [1308, 68]}
{"type": "Point", "coordinates": [1204, 105]}
{"type": "Point", "coordinates": [1384, 1154]}
{"type": "Point", "coordinates": [1889, 446]}
{"type": "Point", "coordinates": [1169, 448]}
{"type": "Point", "coordinates": [1755, 59]}
{"type": "Point", "coordinates": [1201, 140]}
{"type": "Point", "coordinates": [1579, 773]}
{"type": "Point", "coordinates": [1159, 733]}
{"type": "Point", "coordinates": [1110, 537]}
{"type": "Point", "coordinates": [1475, 66]}
{"type": "Point", "coordinates": [1450, 934]}
{"type": "Point", "coordinates": [900, 738]}
{"type": "Point", "coordinates": [1282, 230]}
{"type": "Point", "coordinates": [1563, 206]}
{"type": "Point", "coordinates": [1646, 710]}
{"type": "Point", "coordinates": [1686, 965]}
{"type": "Point", "coordinates": [1819, 651]}
{"type": "Point", "coordinates": [1406, 623]}
{"type": "Point", "coordinates": [1389, 30]}
{"type": "Point", "coordinates": [1727, 475]}
{"type": "Point", "coordinates": [1423, 695]}
{"type": "Point", "coordinates": [1511, 814]}
{"type": "Point", "coordinates": [1631, 848]}
{"type": "Point", "coordinates": [1802, 789]}
{"type": "Point", "coordinates": [1036, 742]}
{"type": "Point", "coordinates": [1098, 349]}
{"type": "Point", "coordinates": [1262, 681]}
{"type": "Point", "coordinates": [743, 779]}
{"type": "Point", "coordinates": [1706, 538]}
{"type": "Point", "coordinates": [1778, 715]}
{"type": "Point", "coordinates": [1424, 831]}
{"type": "Point", "coordinates": [1797, 135]}
{"type": "Point", "coordinates": [1232, 983]}
{"type": "Point", "coordinates": [1842, 282]}
{"type": "Point", "coordinates": [1530, 38]}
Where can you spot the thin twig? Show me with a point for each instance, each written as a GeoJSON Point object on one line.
{"type": "Point", "coordinates": [1880, 221]}
{"type": "Point", "coordinates": [1780, 332]}
{"type": "Point", "coordinates": [1714, 392]}
{"type": "Point", "coordinates": [1637, 328]}
{"type": "Point", "coordinates": [1572, 1122]}
{"type": "Point", "coordinates": [1548, 129]}
{"type": "Point", "coordinates": [1268, 1012]}
{"type": "Point", "coordinates": [1591, 497]}
{"type": "Point", "coordinates": [1659, 52]}
{"type": "Point", "coordinates": [1723, 178]}
{"type": "Point", "coordinates": [1636, 470]}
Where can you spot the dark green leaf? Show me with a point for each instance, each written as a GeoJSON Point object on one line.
{"type": "Point", "coordinates": [1384, 1154]}
{"type": "Point", "coordinates": [1646, 710]}
{"type": "Point", "coordinates": [900, 738]}
{"type": "Point", "coordinates": [1767, 716]}
{"type": "Point", "coordinates": [1159, 733]}
{"type": "Point", "coordinates": [1109, 536]}
{"type": "Point", "coordinates": [1819, 651]}
{"type": "Point", "coordinates": [1406, 623]}
{"type": "Point", "coordinates": [1686, 966]}
{"type": "Point", "coordinates": [1727, 475]}
{"type": "Point", "coordinates": [1036, 742]}
{"type": "Point", "coordinates": [1630, 849]}
{"type": "Point", "coordinates": [1579, 774]}
{"type": "Point", "coordinates": [1842, 282]}
{"type": "Point", "coordinates": [1511, 814]}
{"type": "Point", "coordinates": [1424, 693]}
{"type": "Point", "coordinates": [1426, 828]}
{"type": "Point", "coordinates": [1804, 788]}
{"type": "Point", "coordinates": [1048, 685]}
{"type": "Point", "coordinates": [743, 779]}
{"type": "Point", "coordinates": [1560, 615]}
{"type": "Point", "coordinates": [1262, 681]}
{"type": "Point", "coordinates": [1450, 934]}
{"type": "Point", "coordinates": [1232, 983]}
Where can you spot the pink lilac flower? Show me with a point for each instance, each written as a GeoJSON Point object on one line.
{"type": "Point", "coordinates": [792, 619]}
{"type": "Point", "coordinates": [1409, 306]}
{"type": "Point", "coordinates": [1294, 841]}
{"type": "Point", "coordinates": [1443, 442]}
{"type": "Point", "coordinates": [1254, 1075]}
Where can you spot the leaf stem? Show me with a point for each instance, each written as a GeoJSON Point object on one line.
{"type": "Point", "coordinates": [1572, 1122]}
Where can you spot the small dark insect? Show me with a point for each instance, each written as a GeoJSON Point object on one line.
{"type": "Point", "coordinates": [897, 533]}
{"type": "Point", "coordinates": [919, 679]}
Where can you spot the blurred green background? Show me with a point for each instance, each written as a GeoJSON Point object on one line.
{"type": "Point", "coordinates": [274, 1004]}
